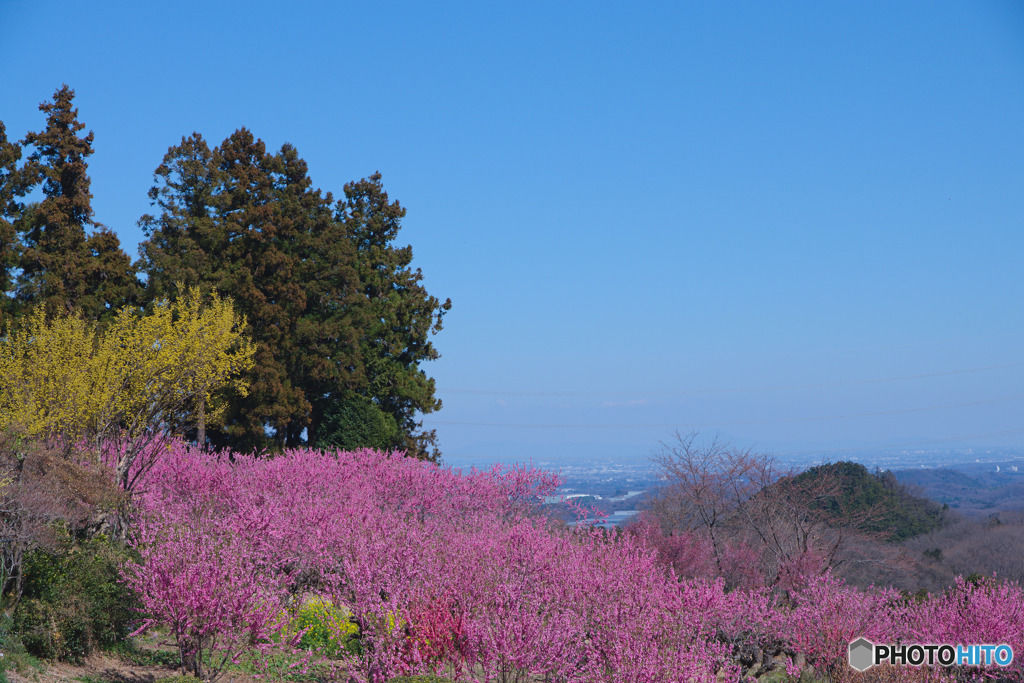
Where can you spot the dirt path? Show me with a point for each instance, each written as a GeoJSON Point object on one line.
{"type": "Point", "coordinates": [149, 663]}
{"type": "Point", "coordinates": [98, 668]}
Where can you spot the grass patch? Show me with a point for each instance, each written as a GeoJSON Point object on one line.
{"type": "Point", "coordinates": [15, 657]}
{"type": "Point", "coordinates": [129, 651]}
{"type": "Point", "coordinates": [294, 668]}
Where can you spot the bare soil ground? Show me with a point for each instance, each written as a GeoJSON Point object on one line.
{"type": "Point", "coordinates": [149, 662]}
{"type": "Point", "coordinates": [106, 668]}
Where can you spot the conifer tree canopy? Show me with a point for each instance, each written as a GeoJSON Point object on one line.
{"type": "Point", "coordinates": [340, 321]}
{"type": "Point", "coordinates": [402, 315]}
{"type": "Point", "coordinates": [62, 266]}
{"type": "Point", "coordinates": [10, 191]}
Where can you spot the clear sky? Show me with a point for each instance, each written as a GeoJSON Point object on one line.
{"type": "Point", "coordinates": [798, 224]}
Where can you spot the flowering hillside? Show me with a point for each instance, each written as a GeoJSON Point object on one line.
{"type": "Point", "coordinates": [434, 571]}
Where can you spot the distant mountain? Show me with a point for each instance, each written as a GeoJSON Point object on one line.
{"type": "Point", "coordinates": [972, 488]}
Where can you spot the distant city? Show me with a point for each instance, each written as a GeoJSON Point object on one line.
{"type": "Point", "coordinates": [913, 458]}
{"type": "Point", "coordinates": [617, 486]}
{"type": "Point", "coordinates": [630, 472]}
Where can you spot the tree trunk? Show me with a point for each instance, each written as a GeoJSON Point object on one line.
{"type": "Point", "coordinates": [201, 429]}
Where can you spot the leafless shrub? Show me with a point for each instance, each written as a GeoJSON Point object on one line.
{"type": "Point", "coordinates": [967, 545]}
{"type": "Point", "coordinates": [707, 486]}
{"type": "Point", "coordinates": [733, 496]}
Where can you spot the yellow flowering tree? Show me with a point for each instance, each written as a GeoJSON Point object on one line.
{"type": "Point", "coordinates": [144, 378]}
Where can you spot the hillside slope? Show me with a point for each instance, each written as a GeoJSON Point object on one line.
{"type": "Point", "coordinates": [874, 503]}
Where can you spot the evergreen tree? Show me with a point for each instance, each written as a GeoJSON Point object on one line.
{"type": "Point", "coordinates": [184, 237]}
{"type": "Point", "coordinates": [322, 356]}
{"type": "Point", "coordinates": [110, 276]}
{"type": "Point", "coordinates": [62, 267]}
{"type": "Point", "coordinates": [248, 224]}
{"type": "Point", "coordinates": [340, 321]}
{"type": "Point", "coordinates": [402, 314]}
{"type": "Point", "coordinates": [10, 210]}
{"type": "Point", "coordinates": [357, 422]}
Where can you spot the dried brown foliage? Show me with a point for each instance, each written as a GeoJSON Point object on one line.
{"type": "Point", "coordinates": [45, 498]}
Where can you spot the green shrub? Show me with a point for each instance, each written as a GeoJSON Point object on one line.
{"type": "Point", "coordinates": [977, 579]}
{"type": "Point", "coordinates": [15, 658]}
{"type": "Point", "coordinates": [328, 629]}
{"type": "Point", "coordinates": [53, 631]}
{"type": "Point", "coordinates": [179, 679]}
{"type": "Point", "coordinates": [130, 651]}
{"type": "Point", "coordinates": [358, 422]}
{"type": "Point", "coordinates": [74, 602]}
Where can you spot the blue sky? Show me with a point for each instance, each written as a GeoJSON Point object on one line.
{"type": "Point", "coordinates": [731, 216]}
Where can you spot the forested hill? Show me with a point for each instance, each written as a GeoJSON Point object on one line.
{"type": "Point", "coordinates": [874, 503]}
{"type": "Point", "coordinates": [972, 488]}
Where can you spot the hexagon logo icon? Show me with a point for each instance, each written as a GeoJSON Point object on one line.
{"type": "Point", "coordinates": [862, 654]}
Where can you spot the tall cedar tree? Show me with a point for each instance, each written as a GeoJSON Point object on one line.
{"type": "Point", "coordinates": [10, 191]}
{"type": "Point", "coordinates": [402, 314]}
{"type": "Point", "coordinates": [248, 224]}
{"type": "Point", "coordinates": [340, 321]}
{"type": "Point", "coordinates": [63, 267]}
